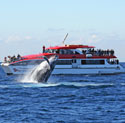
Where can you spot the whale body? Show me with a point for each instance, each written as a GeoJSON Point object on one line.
{"type": "Point", "coordinates": [43, 71]}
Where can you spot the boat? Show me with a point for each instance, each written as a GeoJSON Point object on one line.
{"type": "Point", "coordinates": [72, 59]}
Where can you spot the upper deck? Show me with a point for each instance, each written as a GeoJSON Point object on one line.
{"type": "Point", "coordinates": [80, 51]}
{"type": "Point", "coordinates": [68, 52]}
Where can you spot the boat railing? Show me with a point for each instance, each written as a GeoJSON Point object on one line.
{"type": "Point", "coordinates": [99, 52]}
{"type": "Point", "coordinates": [10, 59]}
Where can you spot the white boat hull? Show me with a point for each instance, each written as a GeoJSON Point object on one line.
{"type": "Point", "coordinates": [68, 69]}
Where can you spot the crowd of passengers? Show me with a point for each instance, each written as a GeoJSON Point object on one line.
{"type": "Point", "coordinates": [99, 52]}
{"type": "Point", "coordinates": [114, 61]}
{"type": "Point", "coordinates": [12, 58]}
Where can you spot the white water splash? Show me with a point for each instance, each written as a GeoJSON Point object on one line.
{"type": "Point", "coordinates": [30, 76]}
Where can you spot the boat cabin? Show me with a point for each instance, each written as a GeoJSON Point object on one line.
{"type": "Point", "coordinates": [84, 54]}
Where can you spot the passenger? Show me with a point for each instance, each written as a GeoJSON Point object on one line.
{"type": "Point", "coordinates": [9, 59]}
{"type": "Point", "coordinates": [97, 52]}
{"type": "Point", "coordinates": [87, 51]}
{"type": "Point", "coordinates": [83, 51]}
{"type": "Point", "coordinates": [5, 59]}
{"type": "Point", "coordinates": [92, 50]}
{"type": "Point", "coordinates": [57, 51]}
{"type": "Point", "coordinates": [117, 61]}
{"type": "Point", "coordinates": [107, 52]}
{"type": "Point", "coordinates": [18, 57]}
{"type": "Point", "coordinates": [43, 49]}
{"type": "Point", "coordinates": [112, 52]}
{"type": "Point", "coordinates": [13, 58]}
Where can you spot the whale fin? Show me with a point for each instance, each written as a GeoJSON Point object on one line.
{"type": "Point", "coordinates": [45, 58]}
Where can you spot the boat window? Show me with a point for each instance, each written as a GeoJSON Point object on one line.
{"type": "Point", "coordinates": [48, 51]}
{"type": "Point", "coordinates": [78, 51]}
{"type": "Point", "coordinates": [113, 61]}
{"type": "Point", "coordinates": [23, 63]}
{"type": "Point", "coordinates": [66, 51]}
{"type": "Point", "coordinates": [69, 52]}
{"type": "Point", "coordinates": [52, 51]}
{"type": "Point", "coordinates": [92, 62]}
{"type": "Point", "coordinates": [74, 61]}
{"type": "Point", "coordinates": [64, 62]}
{"type": "Point", "coordinates": [61, 51]}
{"type": "Point", "coordinates": [57, 51]}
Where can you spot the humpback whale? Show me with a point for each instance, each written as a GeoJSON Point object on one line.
{"type": "Point", "coordinates": [42, 72]}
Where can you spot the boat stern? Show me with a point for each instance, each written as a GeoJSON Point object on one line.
{"type": "Point", "coordinates": [6, 68]}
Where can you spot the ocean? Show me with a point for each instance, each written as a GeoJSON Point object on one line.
{"type": "Point", "coordinates": [63, 99]}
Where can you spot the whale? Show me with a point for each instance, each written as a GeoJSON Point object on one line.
{"type": "Point", "coordinates": [42, 72]}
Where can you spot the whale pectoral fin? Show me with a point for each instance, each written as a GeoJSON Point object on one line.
{"type": "Point", "coordinates": [45, 58]}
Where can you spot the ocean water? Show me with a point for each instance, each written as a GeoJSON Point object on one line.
{"type": "Point", "coordinates": [63, 99]}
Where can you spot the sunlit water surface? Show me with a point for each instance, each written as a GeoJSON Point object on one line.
{"type": "Point", "coordinates": [63, 99]}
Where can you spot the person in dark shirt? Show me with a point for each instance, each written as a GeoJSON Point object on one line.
{"type": "Point", "coordinates": [18, 57]}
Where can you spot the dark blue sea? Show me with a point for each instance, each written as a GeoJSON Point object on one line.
{"type": "Point", "coordinates": [64, 99]}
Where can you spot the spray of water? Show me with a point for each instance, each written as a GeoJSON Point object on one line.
{"type": "Point", "coordinates": [40, 72]}
{"type": "Point", "coordinates": [30, 75]}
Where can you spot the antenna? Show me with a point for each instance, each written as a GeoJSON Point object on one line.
{"type": "Point", "coordinates": [65, 38]}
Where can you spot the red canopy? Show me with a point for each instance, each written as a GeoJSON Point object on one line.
{"type": "Point", "coordinates": [71, 47]}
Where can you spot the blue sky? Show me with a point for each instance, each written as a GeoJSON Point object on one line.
{"type": "Point", "coordinates": [26, 25]}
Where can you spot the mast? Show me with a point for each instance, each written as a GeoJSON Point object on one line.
{"type": "Point", "coordinates": [65, 39]}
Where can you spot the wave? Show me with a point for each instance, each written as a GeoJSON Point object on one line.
{"type": "Point", "coordinates": [81, 85]}
{"type": "Point", "coordinates": [123, 84]}
{"type": "Point", "coordinates": [60, 84]}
